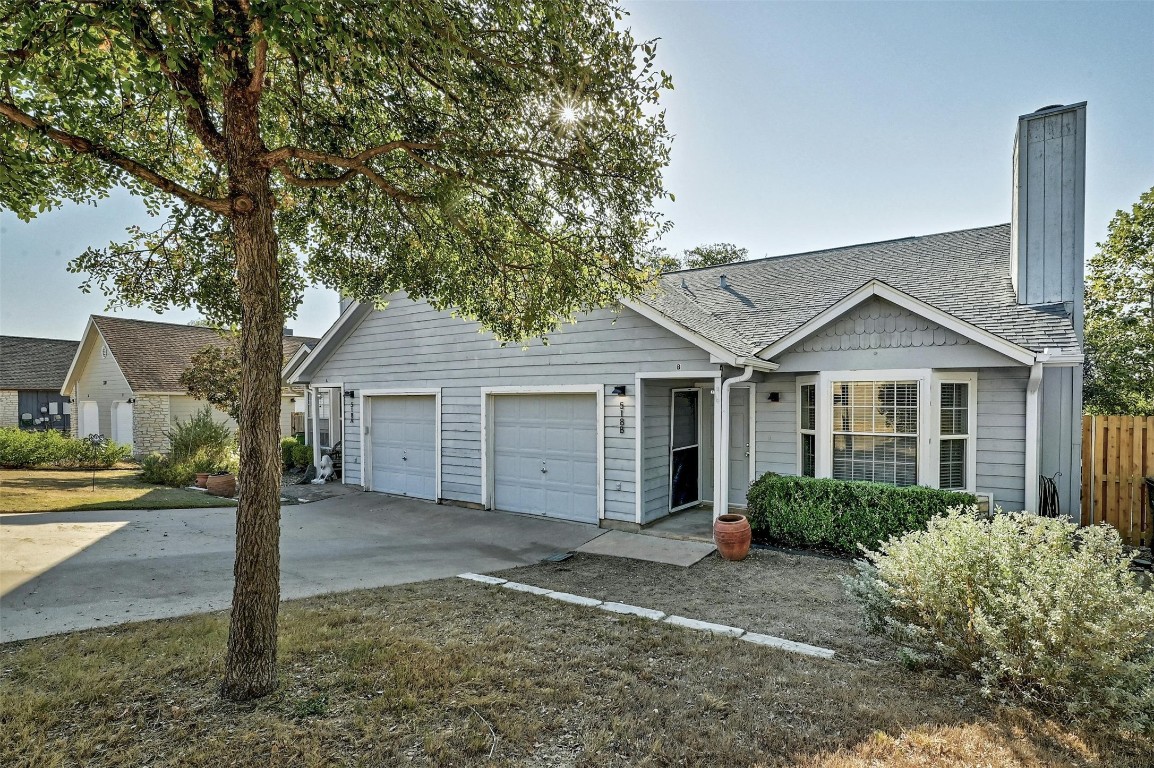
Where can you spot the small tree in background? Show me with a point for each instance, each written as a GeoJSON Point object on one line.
{"type": "Point", "coordinates": [1120, 315]}
{"type": "Point", "coordinates": [714, 255]}
{"type": "Point", "coordinates": [499, 157]}
{"type": "Point", "coordinates": [213, 375]}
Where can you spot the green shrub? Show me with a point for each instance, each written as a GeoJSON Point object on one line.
{"type": "Point", "coordinates": [20, 449]}
{"type": "Point", "coordinates": [162, 470]}
{"type": "Point", "coordinates": [302, 456]}
{"type": "Point", "coordinates": [201, 433]}
{"type": "Point", "coordinates": [841, 514]}
{"type": "Point", "coordinates": [1037, 609]}
{"type": "Point", "coordinates": [287, 447]}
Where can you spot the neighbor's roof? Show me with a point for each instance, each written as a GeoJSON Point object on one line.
{"type": "Point", "coordinates": [965, 273]}
{"type": "Point", "coordinates": [152, 355]}
{"type": "Point", "coordinates": [29, 363]}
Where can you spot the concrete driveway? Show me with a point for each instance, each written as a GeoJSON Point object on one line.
{"type": "Point", "coordinates": [63, 571]}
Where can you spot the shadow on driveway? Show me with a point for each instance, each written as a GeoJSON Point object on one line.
{"type": "Point", "coordinates": [64, 571]}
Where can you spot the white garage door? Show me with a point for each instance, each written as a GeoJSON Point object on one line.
{"type": "Point", "coordinates": [545, 455]}
{"type": "Point", "coordinates": [403, 440]}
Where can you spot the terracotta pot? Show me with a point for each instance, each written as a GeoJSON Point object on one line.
{"type": "Point", "coordinates": [201, 479]}
{"type": "Point", "coordinates": [732, 535]}
{"type": "Point", "coordinates": [221, 485]}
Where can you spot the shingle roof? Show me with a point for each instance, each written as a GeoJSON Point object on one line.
{"type": "Point", "coordinates": [153, 355]}
{"type": "Point", "coordinates": [29, 363]}
{"type": "Point", "coordinates": [965, 273]}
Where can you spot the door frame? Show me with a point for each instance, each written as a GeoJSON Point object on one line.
{"type": "Point", "coordinates": [752, 387]}
{"type": "Point", "coordinates": [672, 415]}
{"type": "Point", "coordinates": [488, 482]}
{"type": "Point", "coordinates": [367, 443]}
{"type": "Point", "coordinates": [639, 424]}
{"type": "Point", "coordinates": [312, 408]}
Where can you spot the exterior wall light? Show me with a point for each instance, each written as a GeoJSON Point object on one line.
{"type": "Point", "coordinates": [619, 390]}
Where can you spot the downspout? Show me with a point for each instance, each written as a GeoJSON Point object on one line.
{"type": "Point", "coordinates": [721, 450]}
{"type": "Point", "coordinates": [1033, 410]}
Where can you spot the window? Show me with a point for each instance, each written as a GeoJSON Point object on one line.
{"type": "Point", "coordinates": [808, 428]}
{"type": "Point", "coordinates": [954, 433]}
{"type": "Point", "coordinates": [324, 397]}
{"type": "Point", "coordinates": [875, 431]}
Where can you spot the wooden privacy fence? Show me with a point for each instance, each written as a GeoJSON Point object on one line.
{"type": "Point", "coordinates": [1117, 455]}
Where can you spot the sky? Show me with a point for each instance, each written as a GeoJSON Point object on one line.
{"type": "Point", "coordinates": [798, 126]}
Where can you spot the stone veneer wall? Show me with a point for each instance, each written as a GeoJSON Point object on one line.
{"type": "Point", "coordinates": [9, 408]}
{"type": "Point", "coordinates": [74, 417]}
{"type": "Point", "coordinates": [150, 420]}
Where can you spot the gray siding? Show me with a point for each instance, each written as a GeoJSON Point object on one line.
{"type": "Point", "coordinates": [1061, 425]}
{"type": "Point", "coordinates": [655, 447]}
{"type": "Point", "coordinates": [1001, 439]}
{"type": "Point", "coordinates": [409, 344]}
{"type": "Point", "coordinates": [777, 426]}
{"type": "Point", "coordinates": [101, 380]}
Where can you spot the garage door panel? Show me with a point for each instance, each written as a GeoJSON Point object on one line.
{"type": "Point", "coordinates": [403, 433]}
{"type": "Point", "coordinates": [554, 432]}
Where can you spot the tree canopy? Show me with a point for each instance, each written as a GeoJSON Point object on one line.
{"type": "Point", "coordinates": [1120, 315]}
{"type": "Point", "coordinates": [499, 158]}
{"type": "Point", "coordinates": [714, 255]}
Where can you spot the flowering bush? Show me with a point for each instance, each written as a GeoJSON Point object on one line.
{"type": "Point", "coordinates": [1038, 610]}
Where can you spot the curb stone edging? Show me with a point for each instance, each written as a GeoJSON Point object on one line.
{"type": "Point", "coordinates": [724, 630]}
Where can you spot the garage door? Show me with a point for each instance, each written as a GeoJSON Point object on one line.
{"type": "Point", "coordinates": [403, 444]}
{"type": "Point", "coordinates": [545, 455]}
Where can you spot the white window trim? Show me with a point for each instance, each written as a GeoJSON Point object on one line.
{"type": "Point", "coordinates": [957, 377]}
{"type": "Point", "coordinates": [815, 382]}
{"type": "Point", "coordinates": [488, 393]}
{"type": "Point", "coordinates": [826, 380]}
{"type": "Point", "coordinates": [366, 441]}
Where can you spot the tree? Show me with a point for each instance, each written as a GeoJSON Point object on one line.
{"type": "Point", "coordinates": [214, 375]}
{"type": "Point", "coordinates": [713, 255]}
{"type": "Point", "coordinates": [499, 157]}
{"type": "Point", "coordinates": [1120, 315]}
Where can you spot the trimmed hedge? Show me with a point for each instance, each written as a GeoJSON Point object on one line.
{"type": "Point", "coordinates": [842, 514]}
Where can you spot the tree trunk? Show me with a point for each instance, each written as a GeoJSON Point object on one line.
{"type": "Point", "coordinates": [250, 670]}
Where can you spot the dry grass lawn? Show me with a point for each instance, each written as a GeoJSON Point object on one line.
{"type": "Point", "coordinates": [458, 673]}
{"type": "Point", "coordinates": [50, 490]}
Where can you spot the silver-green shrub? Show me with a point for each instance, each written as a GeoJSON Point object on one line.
{"type": "Point", "coordinates": [1038, 610]}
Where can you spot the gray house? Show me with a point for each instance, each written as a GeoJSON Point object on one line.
{"type": "Point", "coordinates": [31, 372]}
{"type": "Point", "coordinates": [951, 360]}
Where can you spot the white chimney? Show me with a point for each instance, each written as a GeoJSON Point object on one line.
{"type": "Point", "coordinates": [1047, 225]}
{"type": "Point", "coordinates": [345, 302]}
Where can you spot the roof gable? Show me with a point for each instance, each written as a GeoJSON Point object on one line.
{"type": "Point", "coordinates": [154, 355]}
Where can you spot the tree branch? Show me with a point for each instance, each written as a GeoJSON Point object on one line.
{"type": "Point", "coordinates": [275, 157]}
{"type": "Point", "coordinates": [85, 146]}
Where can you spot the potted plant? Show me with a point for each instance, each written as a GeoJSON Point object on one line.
{"type": "Point", "coordinates": [221, 484]}
{"type": "Point", "coordinates": [732, 535]}
{"type": "Point", "coordinates": [204, 465]}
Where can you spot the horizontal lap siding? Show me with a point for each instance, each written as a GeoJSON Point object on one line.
{"type": "Point", "coordinates": [409, 344]}
{"type": "Point", "coordinates": [1001, 439]}
{"type": "Point", "coordinates": [776, 425]}
{"type": "Point", "coordinates": [102, 381]}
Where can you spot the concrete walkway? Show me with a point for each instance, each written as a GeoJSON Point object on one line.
{"type": "Point", "coordinates": [63, 571]}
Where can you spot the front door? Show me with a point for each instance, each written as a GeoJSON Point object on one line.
{"type": "Point", "coordinates": [685, 450]}
{"type": "Point", "coordinates": [738, 445]}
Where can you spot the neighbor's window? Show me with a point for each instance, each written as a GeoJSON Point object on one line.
{"type": "Point", "coordinates": [808, 430]}
{"type": "Point", "coordinates": [875, 431]}
{"type": "Point", "coordinates": [955, 434]}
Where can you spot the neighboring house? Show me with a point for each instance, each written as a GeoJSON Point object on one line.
{"type": "Point", "coordinates": [124, 380]}
{"type": "Point", "coordinates": [31, 372]}
{"type": "Point", "coordinates": [951, 360]}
